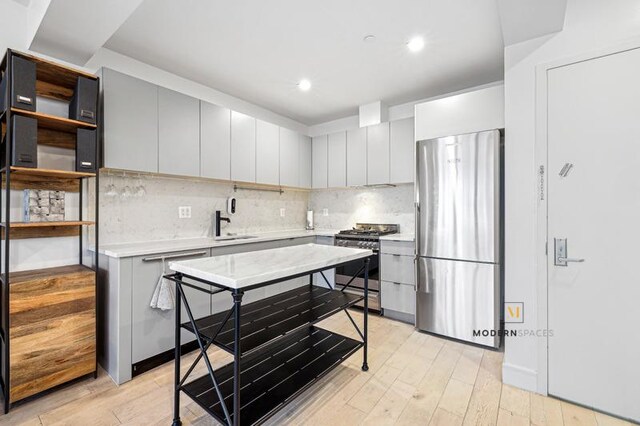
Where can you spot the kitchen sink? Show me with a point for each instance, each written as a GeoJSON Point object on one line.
{"type": "Point", "coordinates": [234, 237]}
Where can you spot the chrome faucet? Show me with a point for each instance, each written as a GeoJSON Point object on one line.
{"type": "Point", "coordinates": [217, 221]}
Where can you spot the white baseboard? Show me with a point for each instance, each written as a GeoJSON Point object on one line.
{"type": "Point", "coordinates": [520, 377]}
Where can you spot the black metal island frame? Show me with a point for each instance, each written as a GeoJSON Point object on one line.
{"type": "Point", "coordinates": [277, 350]}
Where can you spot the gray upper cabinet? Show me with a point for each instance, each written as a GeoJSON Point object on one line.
{"type": "Point", "coordinates": [130, 122]}
{"type": "Point", "coordinates": [289, 157]}
{"type": "Point", "coordinates": [243, 147]}
{"type": "Point", "coordinates": [267, 153]}
{"type": "Point", "coordinates": [304, 163]}
{"type": "Point", "coordinates": [378, 154]}
{"type": "Point", "coordinates": [402, 151]}
{"type": "Point", "coordinates": [357, 157]}
{"type": "Point", "coordinates": [319, 159]}
{"type": "Point", "coordinates": [337, 160]}
{"type": "Point", "coordinates": [215, 141]}
{"type": "Point", "coordinates": [178, 133]}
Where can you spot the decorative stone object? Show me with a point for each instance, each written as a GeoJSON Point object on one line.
{"type": "Point", "coordinates": [43, 206]}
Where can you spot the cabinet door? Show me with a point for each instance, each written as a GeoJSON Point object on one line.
{"type": "Point", "coordinates": [179, 133]}
{"type": "Point", "coordinates": [378, 154]}
{"type": "Point", "coordinates": [243, 147]}
{"type": "Point", "coordinates": [357, 157]}
{"type": "Point", "coordinates": [337, 160]}
{"type": "Point", "coordinates": [289, 158]}
{"type": "Point", "coordinates": [304, 165]}
{"type": "Point", "coordinates": [130, 120]}
{"type": "Point", "coordinates": [398, 297]}
{"type": "Point", "coordinates": [402, 151]}
{"type": "Point", "coordinates": [319, 159]}
{"type": "Point", "coordinates": [215, 141]}
{"type": "Point", "coordinates": [267, 153]}
{"type": "Point", "coordinates": [152, 329]}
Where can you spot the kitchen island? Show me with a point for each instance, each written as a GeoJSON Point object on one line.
{"type": "Point", "coordinates": [277, 350]}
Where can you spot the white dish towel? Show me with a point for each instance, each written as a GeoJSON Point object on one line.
{"type": "Point", "coordinates": [163, 297]}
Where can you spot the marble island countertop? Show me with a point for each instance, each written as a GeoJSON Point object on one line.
{"type": "Point", "coordinates": [144, 248]}
{"type": "Point", "coordinates": [241, 270]}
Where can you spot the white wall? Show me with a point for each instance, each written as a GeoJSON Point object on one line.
{"type": "Point", "coordinates": [590, 25]}
{"type": "Point", "coordinates": [13, 25]}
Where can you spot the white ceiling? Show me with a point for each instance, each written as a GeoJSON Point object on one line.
{"type": "Point", "coordinates": [257, 50]}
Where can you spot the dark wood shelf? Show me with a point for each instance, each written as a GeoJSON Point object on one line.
{"type": "Point", "coordinates": [53, 122]}
{"type": "Point", "coordinates": [47, 273]}
{"type": "Point", "coordinates": [274, 375]}
{"type": "Point", "coordinates": [22, 230]}
{"type": "Point", "coordinates": [54, 81]}
{"type": "Point", "coordinates": [48, 179]}
{"type": "Point", "coordinates": [275, 316]}
{"type": "Point", "coordinates": [51, 173]}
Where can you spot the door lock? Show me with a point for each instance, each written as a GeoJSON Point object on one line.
{"type": "Point", "coordinates": [560, 253]}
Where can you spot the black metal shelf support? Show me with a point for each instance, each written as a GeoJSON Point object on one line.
{"type": "Point", "coordinates": [220, 392]}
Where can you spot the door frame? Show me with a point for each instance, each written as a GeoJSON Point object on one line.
{"type": "Point", "coordinates": [541, 211]}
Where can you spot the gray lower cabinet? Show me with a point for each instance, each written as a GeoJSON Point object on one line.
{"type": "Point", "coordinates": [330, 274]}
{"type": "Point", "coordinates": [304, 162]}
{"type": "Point", "coordinates": [152, 330]}
{"type": "Point", "coordinates": [402, 151]}
{"type": "Point", "coordinates": [130, 122]}
{"type": "Point", "coordinates": [397, 276]}
{"type": "Point", "coordinates": [178, 133]}
{"type": "Point", "coordinates": [215, 141]}
{"type": "Point", "coordinates": [132, 331]}
{"type": "Point", "coordinates": [243, 147]}
{"type": "Point", "coordinates": [267, 153]}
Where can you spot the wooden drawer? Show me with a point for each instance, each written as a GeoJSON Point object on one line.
{"type": "Point", "coordinates": [403, 248]}
{"type": "Point", "coordinates": [397, 268]}
{"type": "Point", "coordinates": [53, 328]}
{"type": "Point", "coordinates": [398, 297]}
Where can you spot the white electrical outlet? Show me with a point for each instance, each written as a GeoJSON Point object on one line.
{"type": "Point", "coordinates": [282, 212]}
{"type": "Point", "coordinates": [184, 212]}
{"type": "Point", "coordinates": [325, 212]}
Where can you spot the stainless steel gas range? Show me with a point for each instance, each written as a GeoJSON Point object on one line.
{"type": "Point", "coordinates": [367, 236]}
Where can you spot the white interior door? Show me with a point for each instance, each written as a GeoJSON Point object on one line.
{"type": "Point", "coordinates": [594, 306]}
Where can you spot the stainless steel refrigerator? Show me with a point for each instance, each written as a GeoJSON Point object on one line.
{"type": "Point", "coordinates": [458, 236]}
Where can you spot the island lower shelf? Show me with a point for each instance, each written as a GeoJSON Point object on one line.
{"type": "Point", "coordinates": [273, 317]}
{"type": "Point", "coordinates": [275, 374]}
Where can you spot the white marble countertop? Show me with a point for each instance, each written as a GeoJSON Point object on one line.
{"type": "Point", "coordinates": [144, 248]}
{"type": "Point", "coordinates": [399, 237]}
{"type": "Point", "coordinates": [241, 270]}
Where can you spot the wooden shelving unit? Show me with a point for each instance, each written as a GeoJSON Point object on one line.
{"type": "Point", "coordinates": [48, 316]}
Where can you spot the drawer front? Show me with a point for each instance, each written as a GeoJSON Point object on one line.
{"type": "Point", "coordinates": [396, 268]}
{"type": "Point", "coordinates": [398, 297]}
{"type": "Point", "coordinates": [404, 248]}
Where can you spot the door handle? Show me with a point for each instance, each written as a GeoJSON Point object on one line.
{"type": "Point", "coordinates": [570, 259]}
{"type": "Point", "coordinates": [560, 252]}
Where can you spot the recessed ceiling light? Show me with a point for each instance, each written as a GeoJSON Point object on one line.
{"type": "Point", "coordinates": [415, 44]}
{"type": "Point", "coordinates": [369, 38]}
{"type": "Point", "coordinates": [304, 85]}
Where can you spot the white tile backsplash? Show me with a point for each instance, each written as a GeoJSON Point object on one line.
{"type": "Point", "coordinates": [349, 206]}
{"type": "Point", "coordinates": [154, 216]}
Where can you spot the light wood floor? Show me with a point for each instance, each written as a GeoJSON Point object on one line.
{"type": "Point", "coordinates": [414, 379]}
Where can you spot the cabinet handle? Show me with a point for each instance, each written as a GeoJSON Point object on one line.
{"type": "Point", "coordinates": [173, 256]}
{"type": "Point", "coordinates": [397, 283]}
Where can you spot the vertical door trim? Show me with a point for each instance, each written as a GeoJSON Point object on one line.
{"type": "Point", "coordinates": [541, 211]}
